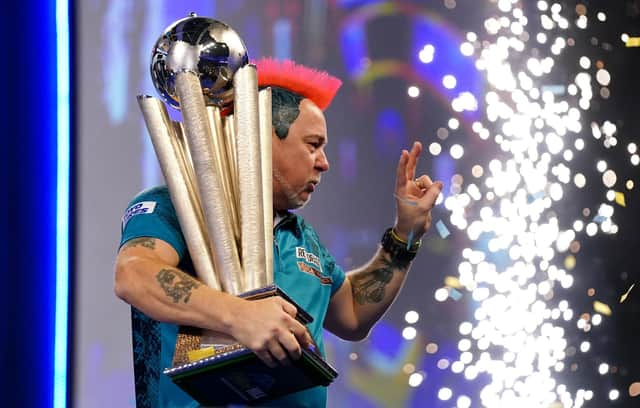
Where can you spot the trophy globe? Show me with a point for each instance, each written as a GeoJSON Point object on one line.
{"type": "Point", "coordinates": [209, 48]}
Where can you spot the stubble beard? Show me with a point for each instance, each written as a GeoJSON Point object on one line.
{"type": "Point", "coordinates": [293, 199]}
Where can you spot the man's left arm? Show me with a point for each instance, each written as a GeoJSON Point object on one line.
{"type": "Point", "coordinates": [368, 291]}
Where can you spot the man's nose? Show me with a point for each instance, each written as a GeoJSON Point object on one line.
{"type": "Point", "coordinates": [322, 163]}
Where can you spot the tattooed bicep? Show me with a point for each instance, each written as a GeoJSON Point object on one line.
{"type": "Point", "coordinates": [144, 242]}
{"type": "Point", "coordinates": [150, 247]}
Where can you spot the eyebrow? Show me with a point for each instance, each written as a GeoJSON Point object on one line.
{"type": "Point", "coordinates": [323, 139]}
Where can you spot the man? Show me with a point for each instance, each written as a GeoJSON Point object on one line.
{"type": "Point", "coordinates": [154, 273]}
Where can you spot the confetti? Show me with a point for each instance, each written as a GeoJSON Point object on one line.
{"type": "Point", "coordinates": [452, 282]}
{"type": "Point", "coordinates": [442, 229]}
{"type": "Point", "coordinates": [634, 389]}
{"type": "Point", "coordinates": [624, 296]}
{"type": "Point", "coordinates": [570, 262]}
{"type": "Point", "coordinates": [404, 200]}
{"type": "Point", "coordinates": [409, 239]}
{"type": "Point", "coordinates": [599, 219]}
{"type": "Point", "coordinates": [620, 199]}
{"type": "Point", "coordinates": [454, 294]}
{"type": "Point", "coordinates": [601, 308]}
{"type": "Point", "coordinates": [554, 89]}
{"type": "Point", "coordinates": [533, 197]}
{"type": "Point", "coordinates": [633, 42]}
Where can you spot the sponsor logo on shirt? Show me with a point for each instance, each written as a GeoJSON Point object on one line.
{"type": "Point", "coordinates": [302, 253]}
{"type": "Point", "coordinates": [309, 257]}
{"type": "Point", "coordinates": [143, 207]}
{"type": "Point", "coordinates": [313, 271]}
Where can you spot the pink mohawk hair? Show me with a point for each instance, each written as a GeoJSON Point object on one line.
{"type": "Point", "coordinates": [318, 86]}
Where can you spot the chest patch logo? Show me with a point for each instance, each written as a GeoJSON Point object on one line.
{"type": "Point", "coordinates": [143, 207]}
{"type": "Point", "coordinates": [316, 269]}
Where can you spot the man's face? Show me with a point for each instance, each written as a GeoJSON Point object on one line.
{"type": "Point", "coordinates": [299, 159]}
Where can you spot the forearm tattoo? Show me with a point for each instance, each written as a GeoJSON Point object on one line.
{"type": "Point", "coordinates": [177, 285]}
{"type": "Point", "coordinates": [143, 242]}
{"type": "Point", "coordinates": [368, 286]}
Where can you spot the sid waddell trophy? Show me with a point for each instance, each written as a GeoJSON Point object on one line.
{"type": "Point", "coordinates": [217, 166]}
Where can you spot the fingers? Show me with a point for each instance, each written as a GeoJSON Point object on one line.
{"type": "Point", "coordinates": [413, 160]}
{"type": "Point", "coordinates": [301, 334]}
{"type": "Point", "coordinates": [298, 329]}
{"type": "Point", "coordinates": [279, 351]}
{"type": "Point", "coordinates": [288, 307]}
{"type": "Point", "coordinates": [284, 348]}
{"type": "Point", "coordinates": [423, 182]}
{"type": "Point", "coordinates": [266, 358]}
{"type": "Point", "coordinates": [291, 340]}
{"type": "Point", "coordinates": [290, 347]}
{"type": "Point", "coordinates": [401, 171]}
{"type": "Point", "coordinates": [429, 190]}
{"type": "Point", "coordinates": [406, 169]}
{"type": "Point", "coordinates": [431, 195]}
{"type": "Point", "coordinates": [277, 338]}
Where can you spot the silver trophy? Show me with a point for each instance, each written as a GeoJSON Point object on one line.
{"type": "Point", "coordinates": [217, 166]}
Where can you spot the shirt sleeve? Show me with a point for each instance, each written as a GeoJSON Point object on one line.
{"type": "Point", "coordinates": [330, 267]}
{"type": "Point", "coordinates": [151, 214]}
{"type": "Point", "coordinates": [337, 275]}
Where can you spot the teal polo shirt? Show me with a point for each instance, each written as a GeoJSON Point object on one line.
{"type": "Point", "coordinates": [303, 268]}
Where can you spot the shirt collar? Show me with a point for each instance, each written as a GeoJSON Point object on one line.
{"type": "Point", "coordinates": [290, 221]}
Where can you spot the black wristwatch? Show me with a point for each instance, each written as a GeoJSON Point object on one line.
{"type": "Point", "coordinates": [398, 249]}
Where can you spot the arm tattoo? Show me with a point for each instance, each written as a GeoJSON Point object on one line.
{"type": "Point", "coordinates": [176, 284]}
{"type": "Point", "coordinates": [369, 286]}
{"type": "Point", "coordinates": [143, 242]}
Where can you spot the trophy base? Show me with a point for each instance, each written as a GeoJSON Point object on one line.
{"type": "Point", "coordinates": [235, 375]}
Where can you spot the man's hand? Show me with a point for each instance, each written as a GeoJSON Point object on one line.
{"type": "Point", "coordinates": [370, 289]}
{"type": "Point", "coordinates": [415, 197]}
{"type": "Point", "coordinates": [269, 328]}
